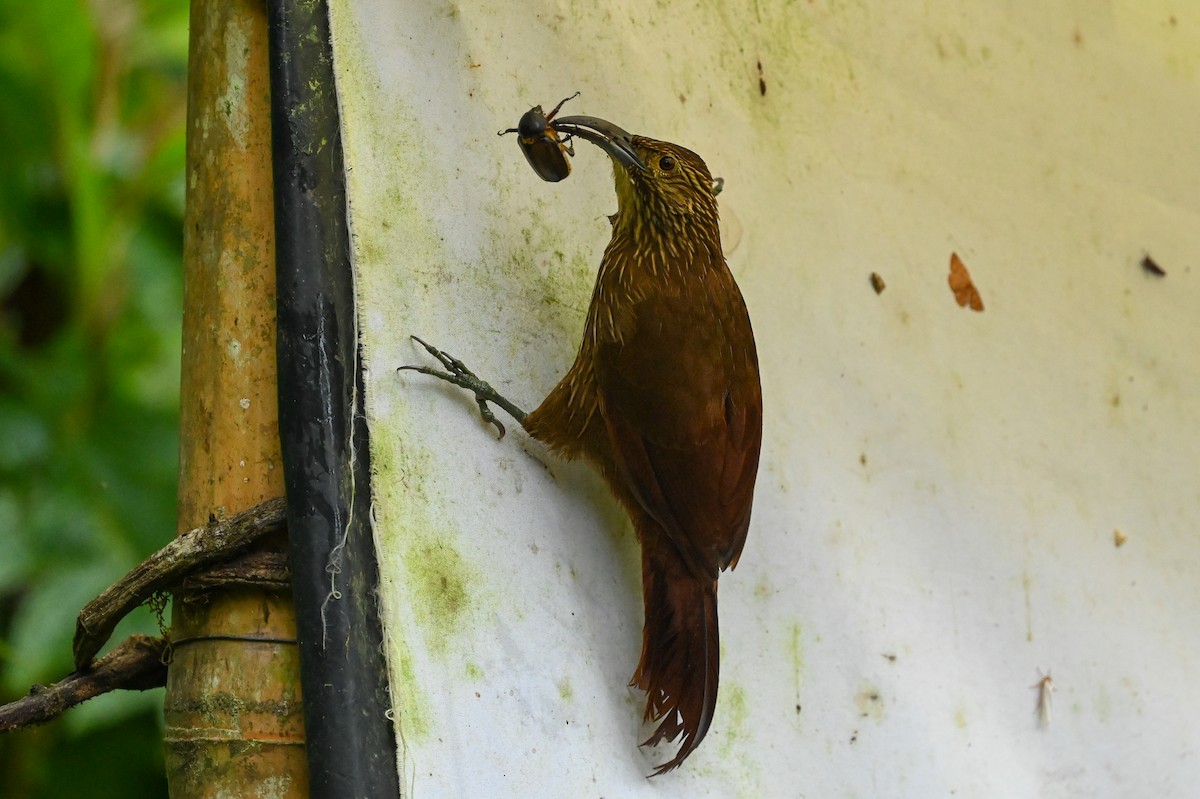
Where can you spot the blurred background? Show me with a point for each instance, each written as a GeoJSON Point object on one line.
{"type": "Point", "coordinates": [92, 104]}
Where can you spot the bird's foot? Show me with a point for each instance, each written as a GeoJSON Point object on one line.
{"type": "Point", "coordinates": [458, 374]}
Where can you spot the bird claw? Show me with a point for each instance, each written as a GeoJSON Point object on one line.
{"type": "Point", "coordinates": [458, 374]}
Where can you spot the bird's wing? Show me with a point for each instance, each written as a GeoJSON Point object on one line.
{"type": "Point", "coordinates": [680, 397]}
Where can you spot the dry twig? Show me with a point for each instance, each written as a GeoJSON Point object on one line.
{"type": "Point", "coordinates": [219, 540]}
{"type": "Point", "coordinates": [136, 664]}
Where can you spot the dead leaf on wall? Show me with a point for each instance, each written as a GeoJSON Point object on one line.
{"type": "Point", "coordinates": [960, 283]}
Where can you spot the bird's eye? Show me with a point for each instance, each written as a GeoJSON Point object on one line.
{"type": "Point", "coordinates": [666, 163]}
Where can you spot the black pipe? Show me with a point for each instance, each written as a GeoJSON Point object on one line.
{"type": "Point", "coordinates": [351, 743]}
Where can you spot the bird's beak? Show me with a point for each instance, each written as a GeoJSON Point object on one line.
{"type": "Point", "coordinates": [613, 140]}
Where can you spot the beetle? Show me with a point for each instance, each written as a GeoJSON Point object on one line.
{"type": "Point", "coordinates": [543, 149]}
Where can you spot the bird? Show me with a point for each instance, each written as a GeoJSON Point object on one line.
{"type": "Point", "coordinates": [664, 399]}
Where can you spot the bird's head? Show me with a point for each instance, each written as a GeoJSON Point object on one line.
{"type": "Point", "coordinates": [658, 183]}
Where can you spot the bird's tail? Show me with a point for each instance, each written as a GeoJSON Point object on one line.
{"type": "Point", "coordinates": [680, 651]}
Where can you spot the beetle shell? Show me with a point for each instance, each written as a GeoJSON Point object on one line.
{"type": "Point", "coordinates": [539, 141]}
{"type": "Point", "coordinates": [544, 151]}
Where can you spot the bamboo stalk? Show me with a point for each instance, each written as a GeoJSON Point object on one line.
{"type": "Point", "coordinates": [233, 715]}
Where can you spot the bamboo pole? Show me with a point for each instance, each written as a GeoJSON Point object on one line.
{"type": "Point", "coordinates": [234, 723]}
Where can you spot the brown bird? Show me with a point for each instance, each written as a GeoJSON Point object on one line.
{"type": "Point", "coordinates": [664, 399]}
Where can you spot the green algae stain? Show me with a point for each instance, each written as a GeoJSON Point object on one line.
{"type": "Point", "coordinates": [734, 714]}
{"type": "Point", "coordinates": [565, 691]}
{"type": "Point", "coordinates": [796, 651]}
{"type": "Point", "coordinates": [440, 589]}
{"type": "Point", "coordinates": [437, 586]}
{"type": "Point", "coordinates": [796, 67]}
{"type": "Point", "coordinates": [414, 711]}
{"type": "Point", "coordinates": [432, 588]}
{"type": "Point", "coordinates": [542, 262]}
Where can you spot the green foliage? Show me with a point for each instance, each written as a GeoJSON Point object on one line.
{"type": "Point", "coordinates": [92, 103]}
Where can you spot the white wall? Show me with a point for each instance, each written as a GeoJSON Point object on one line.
{"type": "Point", "coordinates": [939, 488]}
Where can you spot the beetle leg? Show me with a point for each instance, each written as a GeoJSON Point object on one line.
{"type": "Point", "coordinates": [550, 116]}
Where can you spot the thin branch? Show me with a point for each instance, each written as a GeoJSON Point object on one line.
{"type": "Point", "coordinates": [136, 664]}
{"type": "Point", "coordinates": [266, 570]}
{"type": "Point", "coordinates": [219, 540]}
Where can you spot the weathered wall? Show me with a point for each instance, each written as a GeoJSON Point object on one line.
{"type": "Point", "coordinates": [939, 489]}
